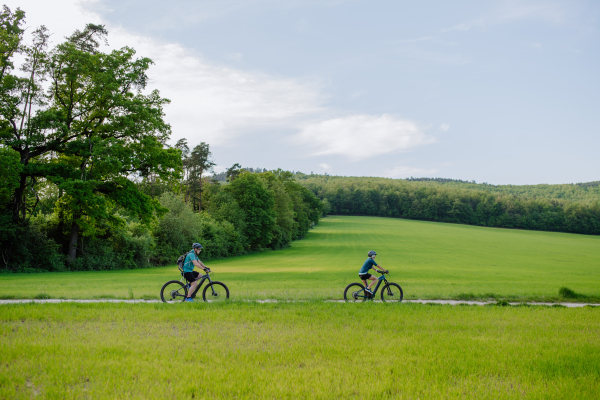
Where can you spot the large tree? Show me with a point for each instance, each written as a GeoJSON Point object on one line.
{"type": "Point", "coordinates": [258, 205]}
{"type": "Point", "coordinates": [198, 163]}
{"type": "Point", "coordinates": [81, 119]}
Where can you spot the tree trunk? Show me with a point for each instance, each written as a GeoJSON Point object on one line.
{"type": "Point", "coordinates": [73, 241]}
{"type": "Point", "coordinates": [18, 199]}
{"type": "Point", "coordinates": [200, 194]}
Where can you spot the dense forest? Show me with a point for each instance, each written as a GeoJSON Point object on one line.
{"type": "Point", "coordinates": [562, 208]}
{"type": "Point", "coordinates": [89, 181]}
{"type": "Point", "coordinates": [586, 193]}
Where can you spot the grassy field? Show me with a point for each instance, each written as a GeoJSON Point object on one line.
{"type": "Point", "coordinates": [298, 350]}
{"type": "Point", "coordinates": [429, 260]}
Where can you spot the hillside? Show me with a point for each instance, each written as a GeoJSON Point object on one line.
{"type": "Point", "coordinates": [573, 208]}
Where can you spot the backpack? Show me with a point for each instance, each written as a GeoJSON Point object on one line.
{"type": "Point", "coordinates": [181, 260]}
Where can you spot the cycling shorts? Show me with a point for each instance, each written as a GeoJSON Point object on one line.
{"type": "Point", "coordinates": [364, 277]}
{"type": "Point", "coordinates": [191, 276]}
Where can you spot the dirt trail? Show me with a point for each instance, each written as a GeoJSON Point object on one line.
{"type": "Point", "coordinates": [450, 302]}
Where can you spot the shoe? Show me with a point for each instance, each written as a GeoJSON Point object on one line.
{"type": "Point", "coordinates": [189, 300]}
{"type": "Point", "coordinates": [368, 290]}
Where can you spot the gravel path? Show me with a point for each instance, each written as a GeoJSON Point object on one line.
{"type": "Point", "coordinates": [450, 302]}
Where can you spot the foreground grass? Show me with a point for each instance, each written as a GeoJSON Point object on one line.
{"type": "Point", "coordinates": [429, 260]}
{"type": "Point", "coordinates": [297, 350]}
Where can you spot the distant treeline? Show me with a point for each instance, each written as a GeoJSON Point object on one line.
{"type": "Point", "coordinates": [539, 207]}
{"type": "Point", "coordinates": [586, 192]}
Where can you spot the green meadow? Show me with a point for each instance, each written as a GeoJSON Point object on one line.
{"type": "Point", "coordinates": [429, 260]}
{"type": "Point", "coordinates": [298, 350]}
{"type": "Point", "coordinates": [316, 349]}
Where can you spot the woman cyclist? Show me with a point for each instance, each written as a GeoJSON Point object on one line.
{"type": "Point", "coordinates": [364, 271]}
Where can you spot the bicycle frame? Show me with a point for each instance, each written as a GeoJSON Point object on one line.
{"type": "Point", "coordinates": [380, 280]}
{"type": "Point", "coordinates": [200, 282]}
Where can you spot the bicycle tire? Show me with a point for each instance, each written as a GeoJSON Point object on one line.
{"type": "Point", "coordinates": [173, 292]}
{"type": "Point", "coordinates": [392, 292]}
{"type": "Point", "coordinates": [355, 292]}
{"type": "Point", "coordinates": [217, 290]}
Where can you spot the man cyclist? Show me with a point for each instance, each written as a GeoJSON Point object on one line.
{"type": "Point", "coordinates": [189, 274]}
{"type": "Point", "coordinates": [364, 271]}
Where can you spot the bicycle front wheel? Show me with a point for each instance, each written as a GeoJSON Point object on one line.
{"type": "Point", "coordinates": [215, 291]}
{"type": "Point", "coordinates": [355, 292]}
{"type": "Point", "coordinates": [173, 292]}
{"type": "Point", "coordinates": [392, 292]}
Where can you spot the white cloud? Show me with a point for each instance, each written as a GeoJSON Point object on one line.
{"type": "Point", "coordinates": [217, 104]}
{"type": "Point", "coordinates": [359, 137]}
{"type": "Point", "coordinates": [444, 127]}
{"type": "Point", "coordinates": [209, 102]}
{"type": "Point", "coordinates": [325, 167]}
{"type": "Point", "coordinates": [406, 172]}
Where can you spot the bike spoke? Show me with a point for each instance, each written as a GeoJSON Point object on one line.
{"type": "Point", "coordinates": [173, 292]}
{"type": "Point", "coordinates": [392, 292]}
{"type": "Point", "coordinates": [354, 292]}
{"type": "Point", "coordinates": [215, 292]}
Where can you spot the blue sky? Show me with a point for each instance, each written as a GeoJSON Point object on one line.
{"type": "Point", "coordinates": [493, 91]}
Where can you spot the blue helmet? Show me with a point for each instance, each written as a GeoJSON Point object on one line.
{"type": "Point", "coordinates": [371, 253]}
{"type": "Point", "coordinates": [197, 246]}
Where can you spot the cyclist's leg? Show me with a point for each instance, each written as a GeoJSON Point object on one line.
{"type": "Point", "coordinates": [194, 282]}
{"type": "Point", "coordinates": [373, 280]}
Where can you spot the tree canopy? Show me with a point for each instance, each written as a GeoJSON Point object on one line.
{"type": "Point", "coordinates": [79, 119]}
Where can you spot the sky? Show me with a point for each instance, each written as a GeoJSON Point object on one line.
{"type": "Point", "coordinates": [503, 92]}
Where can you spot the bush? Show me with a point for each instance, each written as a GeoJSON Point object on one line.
{"type": "Point", "coordinates": [176, 230]}
{"type": "Point", "coordinates": [26, 248]}
{"type": "Point", "coordinates": [568, 293]}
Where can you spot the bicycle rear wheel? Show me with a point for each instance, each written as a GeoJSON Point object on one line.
{"type": "Point", "coordinates": [215, 291]}
{"type": "Point", "coordinates": [355, 292]}
{"type": "Point", "coordinates": [392, 292]}
{"type": "Point", "coordinates": [173, 292]}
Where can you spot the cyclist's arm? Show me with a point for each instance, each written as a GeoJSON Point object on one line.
{"type": "Point", "coordinates": [378, 268]}
{"type": "Point", "coordinates": [199, 264]}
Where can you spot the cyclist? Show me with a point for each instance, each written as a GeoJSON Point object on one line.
{"type": "Point", "coordinates": [189, 274]}
{"type": "Point", "coordinates": [364, 271]}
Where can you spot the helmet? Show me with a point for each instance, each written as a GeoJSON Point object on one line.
{"type": "Point", "coordinates": [197, 246]}
{"type": "Point", "coordinates": [371, 253]}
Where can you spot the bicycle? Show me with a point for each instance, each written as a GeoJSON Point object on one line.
{"type": "Point", "coordinates": [390, 292]}
{"type": "Point", "coordinates": [176, 291]}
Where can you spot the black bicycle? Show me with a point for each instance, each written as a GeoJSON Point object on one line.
{"type": "Point", "coordinates": [176, 291]}
{"type": "Point", "coordinates": [391, 291]}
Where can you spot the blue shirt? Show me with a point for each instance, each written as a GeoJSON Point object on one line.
{"type": "Point", "coordinates": [370, 263]}
{"type": "Point", "coordinates": [188, 265]}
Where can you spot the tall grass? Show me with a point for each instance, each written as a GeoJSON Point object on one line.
{"type": "Point", "coordinates": [298, 350]}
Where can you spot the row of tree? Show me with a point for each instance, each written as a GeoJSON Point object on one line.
{"type": "Point", "coordinates": [88, 180]}
{"type": "Point", "coordinates": [586, 192]}
{"type": "Point", "coordinates": [406, 199]}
